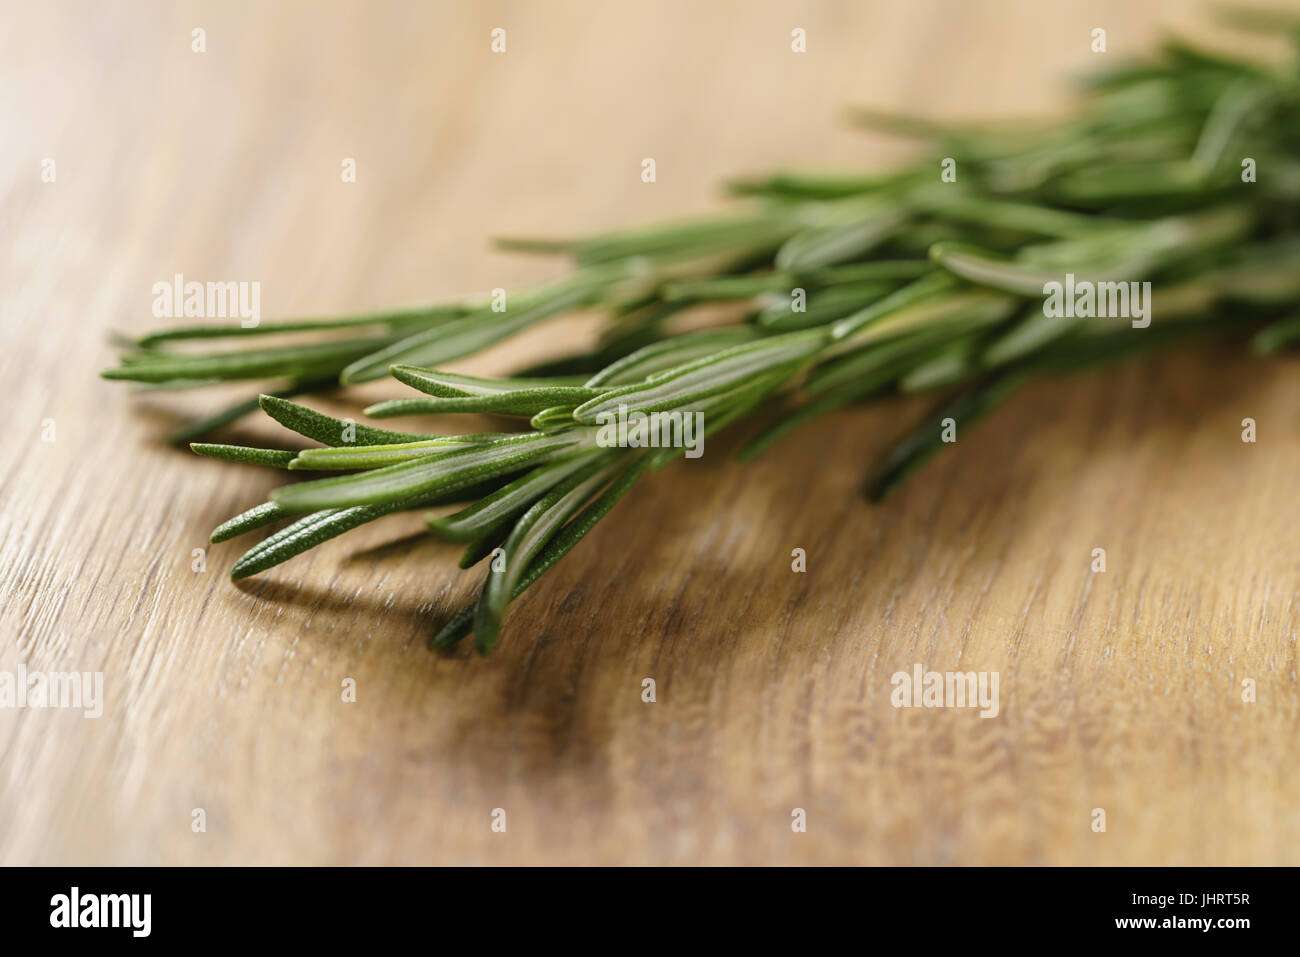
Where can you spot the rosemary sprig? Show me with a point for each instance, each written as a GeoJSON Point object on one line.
{"type": "Point", "coordinates": [843, 288]}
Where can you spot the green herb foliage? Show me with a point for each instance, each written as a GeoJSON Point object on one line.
{"type": "Point", "coordinates": [841, 287]}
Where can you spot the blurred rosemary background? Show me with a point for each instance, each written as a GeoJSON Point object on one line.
{"type": "Point", "coordinates": [1120, 690]}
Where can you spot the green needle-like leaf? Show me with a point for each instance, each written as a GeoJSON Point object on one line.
{"type": "Point", "coordinates": [827, 305]}
{"type": "Point", "coordinates": [668, 354]}
{"type": "Point", "coordinates": [428, 475]}
{"type": "Point", "coordinates": [309, 532]}
{"type": "Point", "coordinates": [373, 456]}
{"type": "Point", "coordinates": [530, 533]}
{"type": "Point", "coordinates": [332, 431]}
{"type": "Point", "coordinates": [398, 319]}
{"type": "Point", "coordinates": [918, 446]}
{"type": "Point", "coordinates": [1274, 337]}
{"type": "Point", "coordinates": [453, 385]}
{"type": "Point", "coordinates": [706, 377]}
{"type": "Point", "coordinates": [556, 417]}
{"type": "Point", "coordinates": [286, 362]}
{"type": "Point", "coordinates": [277, 458]}
{"type": "Point", "coordinates": [520, 402]}
{"type": "Point", "coordinates": [981, 267]}
{"type": "Point", "coordinates": [838, 242]}
{"type": "Point", "coordinates": [255, 517]}
{"type": "Point", "coordinates": [480, 329]}
{"type": "Point", "coordinates": [927, 287]}
{"type": "Point", "coordinates": [559, 546]}
{"type": "Point", "coordinates": [489, 512]}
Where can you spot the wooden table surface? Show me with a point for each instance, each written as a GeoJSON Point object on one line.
{"type": "Point", "coordinates": [1119, 690]}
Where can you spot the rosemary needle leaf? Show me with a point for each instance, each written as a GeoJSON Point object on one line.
{"type": "Point", "coordinates": [432, 346]}
{"type": "Point", "coordinates": [170, 385]}
{"type": "Point", "coordinates": [900, 124]}
{"type": "Point", "coordinates": [823, 306]}
{"type": "Point", "coordinates": [428, 475]}
{"type": "Point", "coordinates": [456, 628]}
{"type": "Point", "coordinates": [335, 459]}
{"type": "Point", "coordinates": [556, 417]}
{"type": "Point", "coordinates": [980, 266]}
{"type": "Point", "coordinates": [453, 385]}
{"type": "Point", "coordinates": [520, 402]}
{"type": "Point", "coordinates": [669, 353]}
{"type": "Point", "coordinates": [716, 374]}
{"type": "Point", "coordinates": [867, 361]}
{"type": "Point", "coordinates": [805, 186]}
{"type": "Point", "coordinates": [544, 245]}
{"type": "Point", "coordinates": [721, 410]}
{"type": "Point", "coordinates": [1241, 104]}
{"type": "Point", "coordinates": [966, 206]}
{"type": "Point", "coordinates": [826, 402]}
{"type": "Point", "coordinates": [526, 539]}
{"type": "Point", "coordinates": [233, 330]}
{"type": "Point", "coordinates": [277, 458]}
{"type": "Point", "coordinates": [919, 445]}
{"type": "Point", "coordinates": [954, 363]}
{"type": "Point", "coordinates": [308, 532]}
{"type": "Point", "coordinates": [839, 242]}
{"type": "Point", "coordinates": [942, 315]}
{"type": "Point", "coordinates": [682, 240]}
{"type": "Point", "coordinates": [255, 517]}
{"type": "Point", "coordinates": [473, 332]}
{"type": "Point", "coordinates": [1274, 337]}
{"type": "Point", "coordinates": [724, 287]}
{"type": "Point", "coordinates": [883, 269]}
{"type": "Point", "coordinates": [1104, 186]}
{"type": "Point", "coordinates": [493, 538]}
{"type": "Point", "coordinates": [1033, 332]}
{"type": "Point", "coordinates": [924, 288]}
{"type": "Point", "coordinates": [480, 518]}
{"type": "Point", "coordinates": [284, 362]}
{"type": "Point", "coordinates": [393, 408]}
{"type": "Point", "coordinates": [329, 430]}
{"type": "Point", "coordinates": [559, 546]}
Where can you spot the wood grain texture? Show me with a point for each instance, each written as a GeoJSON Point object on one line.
{"type": "Point", "coordinates": [1118, 690]}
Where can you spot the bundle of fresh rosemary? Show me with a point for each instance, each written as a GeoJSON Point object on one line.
{"type": "Point", "coordinates": [1180, 171]}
